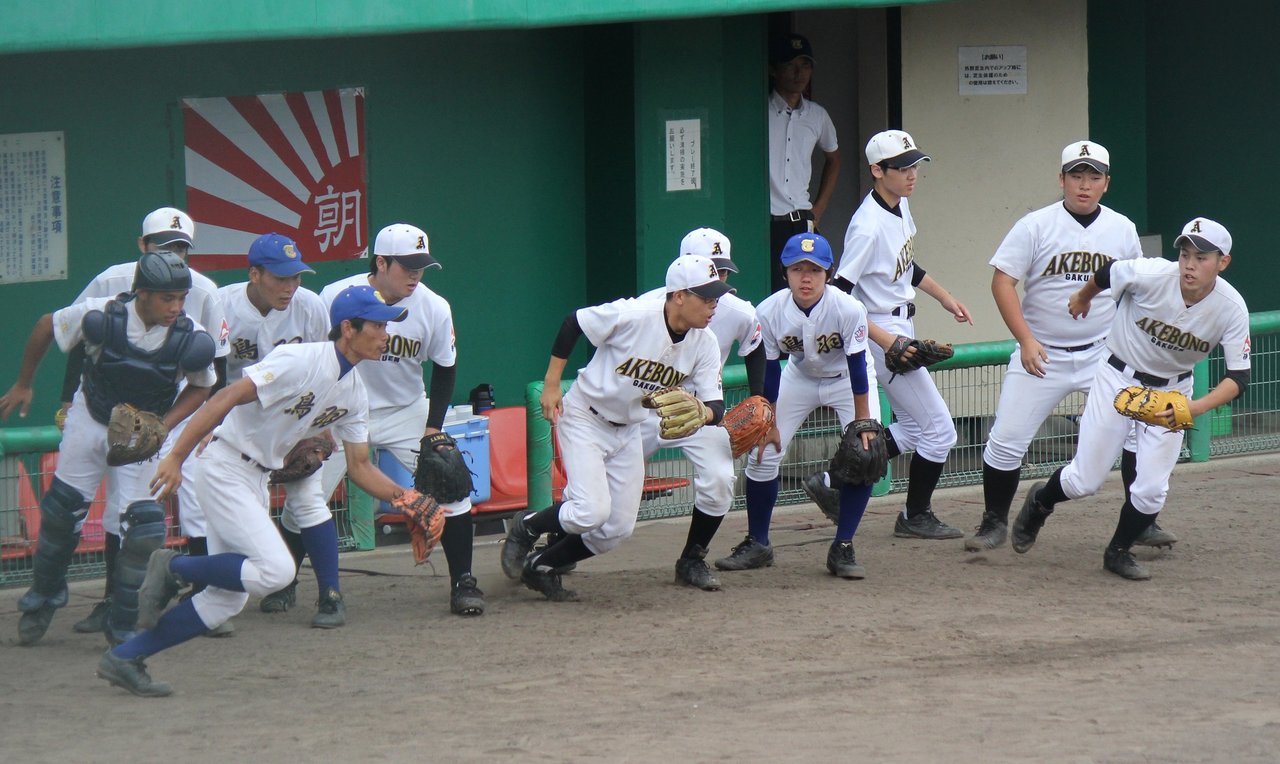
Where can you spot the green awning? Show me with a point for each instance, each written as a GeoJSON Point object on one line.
{"type": "Point", "coordinates": [88, 24]}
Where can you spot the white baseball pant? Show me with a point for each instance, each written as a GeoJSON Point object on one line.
{"type": "Point", "coordinates": [924, 423]}
{"type": "Point", "coordinates": [711, 454]}
{"type": "Point", "coordinates": [82, 464]}
{"type": "Point", "coordinates": [604, 472]}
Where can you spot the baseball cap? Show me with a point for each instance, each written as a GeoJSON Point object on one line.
{"type": "Point", "coordinates": [167, 225]}
{"type": "Point", "coordinates": [1205, 235]}
{"type": "Point", "coordinates": [808, 246]}
{"type": "Point", "coordinates": [1088, 153]}
{"type": "Point", "coordinates": [363, 302]}
{"type": "Point", "coordinates": [895, 148]}
{"type": "Point", "coordinates": [278, 254]}
{"type": "Point", "coordinates": [696, 274]}
{"type": "Point", "coordinates": [789, 47]}
{"type": "Point", "coordinates": [711, 244]}
{"type": "Point", "coordinates": [406, 243]}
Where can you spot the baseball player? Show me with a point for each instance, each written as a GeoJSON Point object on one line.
{"type": "Point", "coordinates": [823, 333]}
{"type": "Point", "coordinates": [401, 411]}
{"type": "Point", "coordinates": [296, 391]}
{"type": "Point", "coordinates": [879, 268]}
{"type": "Point", "coordinates": [709, 449]}
{"type": "Point", "coordinates": [166, 228]}
{"type": "Point", "coordinates": [641, 346]}
{"type": "Point", "coordinates": [1168, 316]}
{"type": "Point", "coordinates": [139, 349]}
{"type": "Point", "coordinates": [796, 126]}
{"type": "Point", "coordinates": [272, 309]}
{"type": "Point", "coordinates": [1050, 251]}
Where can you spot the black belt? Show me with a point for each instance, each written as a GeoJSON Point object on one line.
{"type": "Point", "coordinates": [1075, 348]}
{"type": "Point", "coordinates": [592, 409]}
{"type": "Point", "coordinates": [1143, 377]}
{"type": "Point", "coordinates": [245, 458]}
{"type": "Point", "coordinates": [795, 216]}
{"type": "Point", "coordinates": [909, 310]}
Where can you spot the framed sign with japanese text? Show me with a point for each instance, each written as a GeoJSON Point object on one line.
{"type": "Point", "coordinates": [287, 163]}
{"type": "Point", "coordinates": [33, 207]}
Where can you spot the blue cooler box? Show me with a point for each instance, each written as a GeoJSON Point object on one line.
{"type": "Point", "coordinates": [472, 434]}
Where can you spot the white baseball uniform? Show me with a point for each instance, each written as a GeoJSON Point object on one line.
{"type": "Point", "coordinates": [709, 449]}
{"type": "Point", "coordinates": [1051, 255]}
{"type": "Point", "coordinates": [82, 461]}
{"type": "Point", "coordinates": [301, 392]}
{"type": "Point", "coordinates": [252, 336]}
{"type": "Point", "coordinates": [205, 308]}
{"type": "Point", "coordinates": [1153, 333]}
{"type": "Point", "coordinates": [817, 346]}
{"type": "Point", "coordinates": [879, 258]}
{"type": "Point", "coordinates": [398, 404]}
{"type": "Point", "coordinates": [600, 430]}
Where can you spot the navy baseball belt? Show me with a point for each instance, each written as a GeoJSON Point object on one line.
{"type": "Point", "coordinates": [592, 409]}
{"type": "Point", "coordinates": [1150, 380]}
{"type": "Point", "coordinates": [904, 311]}
{"type": "Point", "coordinates": [1075, 348]}
{"type": "Point", "coordinates": [243, 457]}
{"type": "Point", "coordinates": [795, 216]}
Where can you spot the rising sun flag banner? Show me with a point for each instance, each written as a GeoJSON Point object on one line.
{"type": "Point", "coordinates": [287, 163]}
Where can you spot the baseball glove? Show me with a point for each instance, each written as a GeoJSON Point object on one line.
{"type": "Point", "coordinates": [303, 460]}
{"type": "Point", "coordinates": [858, 465]}
{"type": "Point", "coordinates": [1147, 405]}
{"type": "Point", "coordinates": [682, 414]}
{"type": "Point", "coordinates": [425, 520]}
{"type": "Point", "coordinates": [133, 435]}
{"type": "Point", "coordinates": [748, 423]}
{"type": "Point", "coordinates": [442, 471]}
{"type": "Point", "coordinates": [928, 352]}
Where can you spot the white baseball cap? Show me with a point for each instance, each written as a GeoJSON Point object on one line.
{"type": "Point", "coordinates": [1205, 235]}
{"type": "Point", "coordinates": [709, 243]}
{"type": "Point", "coordinates": [896, 149]}
{"type": "Point", "coordinates": [696, 274]}
{"type": "Point", "coordinates": [1094, 155]}
{"type": "Point", "coordinates": [408, 244]}
{"type": "Point", "coordinates": [167, 225]}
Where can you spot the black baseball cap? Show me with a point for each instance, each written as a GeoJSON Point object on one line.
{"type": "Point", "coordinates": [788, 48]}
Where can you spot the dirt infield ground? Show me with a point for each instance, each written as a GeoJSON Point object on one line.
{"type": "Point", "coordinates": [939, 655]}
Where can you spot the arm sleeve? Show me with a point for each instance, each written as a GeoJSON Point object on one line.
{"type": "Point", "coordinates": [772, 379]}
{"type": "Point", "coordinates": [568, 336]}
{"type": "Point", "coordinates": [71, 377]}
{"type": "Point", "coordinates": [1240, 377]}
{"type": "Point", "coordinates": [755, 371]}
{"type": "Point", "coordinates": [858, 372]}
{"type": "Point", "coordinates": [843, 284]}
{"type": "Point", "coordinates": [220, 370]}
{"type": "Point", "coordinates": [717, 411]}
{"type": "Point", "coordinates": [1103, 275]}
{"type": "Point", "coordinates": [917, 274]}
{"type": "Point", "coordinates": [443, 378]}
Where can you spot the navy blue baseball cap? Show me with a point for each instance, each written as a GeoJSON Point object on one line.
{"type": "Point", "coordinates": [789, 47]}
{"type": "Point", "coordinates": [363, 302]}
{"type": "Point", "coordinates": [808, 246]}
{"type": "Point", "coordinates": [278, 254]}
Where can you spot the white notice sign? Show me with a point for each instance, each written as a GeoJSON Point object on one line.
{"type": "Point", "coordinates": [993, 70]}
{"type": "Point", "coordinates": [33, 207]}
{"type": "Point", "coordinates": [684, 154]}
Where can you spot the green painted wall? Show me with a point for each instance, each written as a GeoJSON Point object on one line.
{"type": "Point", "coordinates": [1118, 101]}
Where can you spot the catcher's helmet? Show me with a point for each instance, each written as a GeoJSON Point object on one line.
{"type": "Point", "coordinates": [161, 271]}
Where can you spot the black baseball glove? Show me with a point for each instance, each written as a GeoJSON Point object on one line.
{"type": "Point", "coordinates": [442, 470]}
{"type": "Point", "coordinates": [927, 353]}
{"type": "Point", "coordinates": [858, 465]}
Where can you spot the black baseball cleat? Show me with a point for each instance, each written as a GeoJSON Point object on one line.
{"type": "Point", "coordinates": [32, 625]}
{"type": "Point", "coordinates": [1030, 519]}
{"type": "Point", "coordinates": [1121, 562]}
{"type": "Point", "coordinates": [925, 525]}
{"type": "Point", "coordinates": [991, 533]}
{"type": "Point", "coordinates": [516, 548]}
{"type": "Point", "coordinates": [466, 597]}
{"type": "Point", "coordinates": [1154, 535]}
{"type": "Point", "coordinates": [131, 674]}
{"type": "Point", "coordinates": [96, 621]}
{"type": "Point", "coordinates": [693, 571]}
{"type": "Point", "coordinates": [545, 581]}
{"type": "Point", "coordinates": [158, 587]}
{"type": "Point", "coordinates": [281, 601]}
{"type": "Point", "coordinates": [841, 561]}
{"type": "Point", "coordinates": [826, 497]}
{"type": "Point", "coordinates": [747, 555]}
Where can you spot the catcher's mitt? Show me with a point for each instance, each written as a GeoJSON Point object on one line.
{"type": "Point", "coordinates": [442, 470]}
{"type": "Point", "coordinates": [928, 352]}
{"type": "Point", "coordinates": [133, 435]}
{"type": "Point", "coordinates": [1147, 405]}
{"type": "Point", "coordinates": [682, 414]}
{"type": "Point", "coordinates": [858, 465]}
{"type": "Point", "coordinates": [748, 423]}
{"type": "Point", "coordinates": [303, 460]}
{"type": "Point", "coordinates": [425, 520]}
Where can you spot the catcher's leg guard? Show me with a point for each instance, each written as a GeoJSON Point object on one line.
{"type": "Point", "coordinates": [62, 514]}
{"type": "Point", "coordinates": [145, 534]}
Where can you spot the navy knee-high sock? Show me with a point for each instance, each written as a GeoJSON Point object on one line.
{"type": "Point", "coordinates": [220, 570]}
{"type": "Point", "coordinates": [761, 497]}
{"type": "Point", "coordinates": [853, 503]}
{"type": "Point", "coordinates": [321, 542]}
{"type": "Point", "coordinates": [176, 626]}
